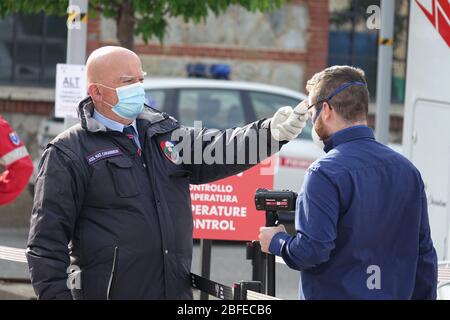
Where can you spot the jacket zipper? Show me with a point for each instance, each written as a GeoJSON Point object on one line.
{"type": "Point", "coordinates": [111, 277]}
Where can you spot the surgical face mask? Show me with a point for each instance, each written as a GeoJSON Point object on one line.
{"type": "Point", "coordinates": [315, 137]}
{"type": "Point", "coordinates": [130, 102]}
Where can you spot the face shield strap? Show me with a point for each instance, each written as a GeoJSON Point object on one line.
{"type": "Point", "coordinates": [343, 87]}
{"type": "Point", "coordinates": [334, 93]}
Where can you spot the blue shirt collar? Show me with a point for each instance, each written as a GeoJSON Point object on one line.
{"type": "Point", "coordinates": [111, 124]}
{"type": "Point", "coordinates": [348, 134]}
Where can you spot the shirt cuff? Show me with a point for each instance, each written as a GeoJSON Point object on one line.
{"type": "Point", "coordinates": [277, 243]}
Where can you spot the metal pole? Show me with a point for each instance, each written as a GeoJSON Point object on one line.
{"type": "Point", "coordinates": [271, 220]}
{"type": "Point", "coordinates": [384, 71]}
{"type": "Point", "coordinates": [76, 31]}
{"type": "Point", "coordinates": [76, 39]}
{"type": "Point", "coordinates": [205, 246]}
{"type": "Point", "coordinates": [255, 254]}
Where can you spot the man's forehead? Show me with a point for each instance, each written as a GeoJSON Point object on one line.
{"type": "Point", "coordinates": [126, 71]}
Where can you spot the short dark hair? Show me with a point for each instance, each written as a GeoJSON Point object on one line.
{"type": "Point", "coordinates": [352, 103]}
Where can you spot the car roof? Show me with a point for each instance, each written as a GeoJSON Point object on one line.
{"type": "Point", "coordinates": [172, 83]}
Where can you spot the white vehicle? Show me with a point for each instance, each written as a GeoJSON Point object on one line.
{"type": "Point", "coordinates": [426, 134]}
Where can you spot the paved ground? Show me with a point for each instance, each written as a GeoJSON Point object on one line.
{"type": "Point", "coordinates": [228, 265]}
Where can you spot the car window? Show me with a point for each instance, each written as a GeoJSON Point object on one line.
{"type": "Point", "coordinates": [155, 99]}
{"type": "Point", "coordinates": [266, 104]}
{"type": "Point", "coordinates": [215, 108]}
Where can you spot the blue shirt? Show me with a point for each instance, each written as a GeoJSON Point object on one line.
{"type": "Point", "coordinates": [362, 225]}
{"type": "Point", "coordinates": [116, 126]}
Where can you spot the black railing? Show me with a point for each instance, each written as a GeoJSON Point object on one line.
{"type": "Point", "coordinates": [244, 290]}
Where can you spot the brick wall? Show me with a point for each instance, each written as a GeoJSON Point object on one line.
{"type": "Point", "coordinates": [29, 107]}
{"type": "Point", "coordinates": [318, 36]}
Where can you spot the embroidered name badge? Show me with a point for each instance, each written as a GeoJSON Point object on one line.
{"type": "Point", "coordinates": [14, 138]}
{"type": "Point", "coordinates": [100, 155]}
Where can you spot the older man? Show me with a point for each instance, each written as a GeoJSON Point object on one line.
{"type": "Point", "coordinates": [112, 200]}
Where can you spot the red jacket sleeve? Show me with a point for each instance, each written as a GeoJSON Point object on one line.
{"type": "Point", "coordinates": [16, 163]}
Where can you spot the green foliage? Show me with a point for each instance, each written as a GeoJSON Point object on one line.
{"type": "Point", "coordinates": [150, 16]}
{"type": "Point", "coordinates": [50, 7]}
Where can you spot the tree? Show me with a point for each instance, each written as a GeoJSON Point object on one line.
{"type": "Point", "coordinates": [145, 18]}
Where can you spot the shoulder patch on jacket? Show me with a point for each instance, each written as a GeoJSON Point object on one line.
{"type": "Point", "coordinates": [103, 154]}
{"type": "Point", "coordinates": [14, 138]}
{"type": "Point", "coordinates": [167, 147]}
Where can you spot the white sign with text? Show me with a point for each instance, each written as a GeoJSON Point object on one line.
{"type": "Point", "coordinates": [71, 88]}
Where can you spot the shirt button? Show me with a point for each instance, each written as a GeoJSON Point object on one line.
{"type": "Point", "coordinates": [144, 165]}
{"type": "Point", "coordinates": [166, 251]}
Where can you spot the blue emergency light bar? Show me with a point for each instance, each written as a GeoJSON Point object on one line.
{"type": "Point", "coordinates": [214, 71]}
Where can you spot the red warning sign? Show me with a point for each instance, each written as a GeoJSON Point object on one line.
{"type": "Point", "coordinates": [225, 209]}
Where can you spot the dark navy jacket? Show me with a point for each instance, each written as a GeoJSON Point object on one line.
{"type": "Point", "coordinates": [362, 225]}
{"type": "Point", "coordinates": [121, 221]}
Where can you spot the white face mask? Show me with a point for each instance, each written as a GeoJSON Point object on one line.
{"type": "Point", "coordinates": [316, 139]}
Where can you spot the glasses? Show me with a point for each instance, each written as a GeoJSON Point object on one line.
{"type": "Point", "coordinates": [314, 104]}
{"type": "Point", "coordinates": [313, 119]}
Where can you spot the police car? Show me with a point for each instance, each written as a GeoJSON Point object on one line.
{"type": "Point", "coordinates": [225, 104]}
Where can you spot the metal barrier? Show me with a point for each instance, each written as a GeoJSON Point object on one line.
{"type": "Point", "coordinates": [12, 254]}
{"type": "Point", "coordinates": [244, 290]}
{"type": "Point", "coordinates": [212, 288]}
{"type": "Point", "coordinates": [263, 267]}
{"type": "Point", "coordinates": [253, 295]}
{"type": "Point", "coordinates": [443, 286]}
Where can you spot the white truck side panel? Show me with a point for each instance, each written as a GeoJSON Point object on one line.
{"type": "Point", "coordinates": [426, 134]}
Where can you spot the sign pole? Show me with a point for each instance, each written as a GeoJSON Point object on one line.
{"type": "Point", "coordinates": [76, 40]}
{"type": "Point", "coordinates": [271, 221]}
{"type": "Point", "coordinates": [384, 71]}
{"type": "Point", "coordinates": [205, 261]}
{"type": "Point", "coordinates": [76, 31]}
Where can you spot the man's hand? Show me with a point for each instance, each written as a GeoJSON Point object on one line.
{"type": "Point", "coordinates": [288, 123]}
{"type": "Point", "coordinates": [266, 234]}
